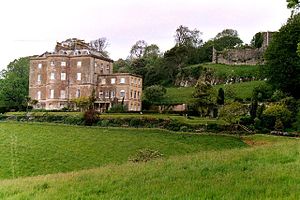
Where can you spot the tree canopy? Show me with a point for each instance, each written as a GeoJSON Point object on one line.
{"type": "Point", "coordinates": [282, 61]}
{"type": "Point", "coordinates": [14, 84]}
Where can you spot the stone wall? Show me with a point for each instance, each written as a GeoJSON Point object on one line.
{"type": "Point", "coordinates": [243, 56]}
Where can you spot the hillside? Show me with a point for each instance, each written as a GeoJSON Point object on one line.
{"type": "Point", "coordinates": [36, 149]}
{"type": "Point", "coordinates": [243, 90]}
{"type": "Point", "coordinates": [267, 170]}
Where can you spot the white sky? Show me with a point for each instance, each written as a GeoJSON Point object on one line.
{"type": "Point", "coordinates": [31, 27]}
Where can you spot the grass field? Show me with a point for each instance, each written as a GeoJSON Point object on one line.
{"type": "Point", "coordinates": [184, 94]}
{"type": "Point", "coordinates": [225, 71]}
{"type": "Point", "coordinates": [35, 149]}
{"type": "Point", "coordinates": [269, 169]}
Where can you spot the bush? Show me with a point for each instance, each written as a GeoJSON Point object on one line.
{"type": "Point", "coordinates": [91, 117]}
{"type": "Point", "coordinates": [276, 112]}
{"type": "Point", "coordinates": [74, 120]}
{"type": "Point", "coordinates": [145, 155]}
{"type": "Point", "coordinates": [117, 108]}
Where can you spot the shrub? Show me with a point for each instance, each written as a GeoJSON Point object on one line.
{"type": "Point", "coordinates": [117, 108]}
{"type": "Point", "coordinates": [276, 112]}
{"type": "Point", "coordinates": [74, 120]}
{"type": "Point", "coordinates": [145, 155]}
{"type": "Point", "coordinates": [91, 117]}
{"type": "Point", "coordinates": [135, 122]}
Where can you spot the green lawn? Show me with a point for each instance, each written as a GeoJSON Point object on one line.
{"type": "Point", "coordinates": [184, 94]}
{"type": "Point", "coordinates": [35, 149]}
{"type": "Point", "coordinates": [268, 170]}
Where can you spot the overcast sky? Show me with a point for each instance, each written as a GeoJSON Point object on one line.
{"type": "Point", "coordinates": [33, 26]}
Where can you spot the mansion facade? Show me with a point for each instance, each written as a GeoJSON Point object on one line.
{"type": "Point", "coordinates": [75, 69]}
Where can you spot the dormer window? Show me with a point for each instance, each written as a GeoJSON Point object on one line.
{"type": "Point", "coordinates": [52, 64]}
{"type": "Point", "coordinates": [40, 65]}
{"type": "Point", "coordinates": [79, 64]}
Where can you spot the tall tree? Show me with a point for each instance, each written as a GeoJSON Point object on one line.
{"type": "Point", "coordinates": [227, 32]}
{"type": "Point", "coordinates": [138, 49]}
{"type": "Point", "coordinates": [186, 37]}
{"type": "Point", "coordinates": [100, 45]}
{"type": "Point", "coordinates": [14, 83]}
{"type": "Point", "coordinates": [282, 61]}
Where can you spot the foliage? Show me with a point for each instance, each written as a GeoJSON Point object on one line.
{"type": "Point", "coordinates": [278, 95]}
{"type": "Point", "coordinates": [118, 108]}
{"type": "Point", "coordinates": [221, 97]}
{"type": "Point", "coordinates": [186, 37]}
{"type": "Point", "coordinates": [100, 45]}
{"type": "Point", "coordinates": [83, 103]}
{"type": "Point", "coordinates": [145, 155]}
{"type": "Point", "coordinates": [230, 92]}
{"type": "Point", "coordinates": [154, 93]}
{"type": "Point", "coordinates": [138, 49]}
{"type": "Point", "coordinates": [203, 97]}
{"type": "Point", "coordinates": [232, 112]}
{"type": "Point", "coordinates": [276, 112]}
{"type": "Point", "coordinates": [282, 62]}
{"type": "Point", "coordinates": [263, 91]}
{"type": "Point", "coordinates": [14, 84]}
{"type": "Point", "coordinates": [257, 40]}
{"type": "Point", "coordinates": [91, 117]}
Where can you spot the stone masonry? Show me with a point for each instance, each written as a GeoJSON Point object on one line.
{"type": "Point", "coordinates": [243, 56]}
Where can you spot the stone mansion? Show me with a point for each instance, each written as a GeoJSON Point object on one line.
{"type": "Point", "coordinates": [76, 69]}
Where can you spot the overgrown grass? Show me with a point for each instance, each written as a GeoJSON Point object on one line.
{"type": "Point", "coordinates": [261, 172]}
{"type": "Point", "coordinates": [35, 149]}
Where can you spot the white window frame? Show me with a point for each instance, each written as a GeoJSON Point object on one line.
{"type": "Point", "coordinates": [113, 81]}
{"type": "Point", "coordinates": [122, 92]}
{"type": "Point", "coordinates": [63, 63]}
{"type": "Point", "coordinates": [39, 95]}
{"type": "Point", "coordinates": [40, 65]}
{"type": "Point", "coordinates": [39, 78]}
{"type": "Point", "coordinates": [79, 63]}
{"type": "Point", "coordinates": [106, 96]}
{"type": "Point", "coordinates": [63, 94]}
{"type": "Point", "coordinates": [77, 93]}
{"type": "Point", "coordinates": [63, 76]}
{"type": "Point", "coordinates": [103, 81]}
{"type": "Point", "coordinates": [52, 76]}
{"type": "Point", "coordinates": [122, 80]}
{"type": "Point", "coordinates": [52, 94]}
{"type": "Point", "coordinates": [78, 77]}
{"type": "Point", "coordinates": [112, 94]}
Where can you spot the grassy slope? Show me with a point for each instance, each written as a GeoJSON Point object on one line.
{"type": "Point", "coordinates": [35, 149]}
{"type": "Point", "coordinates": [184, 94]}
{"type": "Point", "coordinates": [270, 171]}
{"type": "Point", "coordinates": [222, 70]}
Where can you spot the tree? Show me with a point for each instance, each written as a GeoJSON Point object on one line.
{"type": "Point", "coordinates": [232, 112]}
{"type": "Point", "coordinates": [151, 51]}
{"type": "Point", "coordinates": [154, 93]}
{"type": "Point", "coordinates": [294, 5]}
{"type": "Point", "coordinates": [257, 40]}
{"type": "Point", "coordinates": [221, 97]}
{"type": "Point", "coordinates": [204, 97]}
{"type": "Point", "coordinates": [14, 84]}
{"type": "Point", "coordinates": [227, 32]}
{"type": "Point", "coordinates": [186, 37]}
{"type": "Point", "coordinates": [227, 39]}
{"type": "Point", "coordinates": [100, 45]}
{"type": "Point", "coordinates": [138, 49]}
{"type": "Point", "coordinates": [282, 61]}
